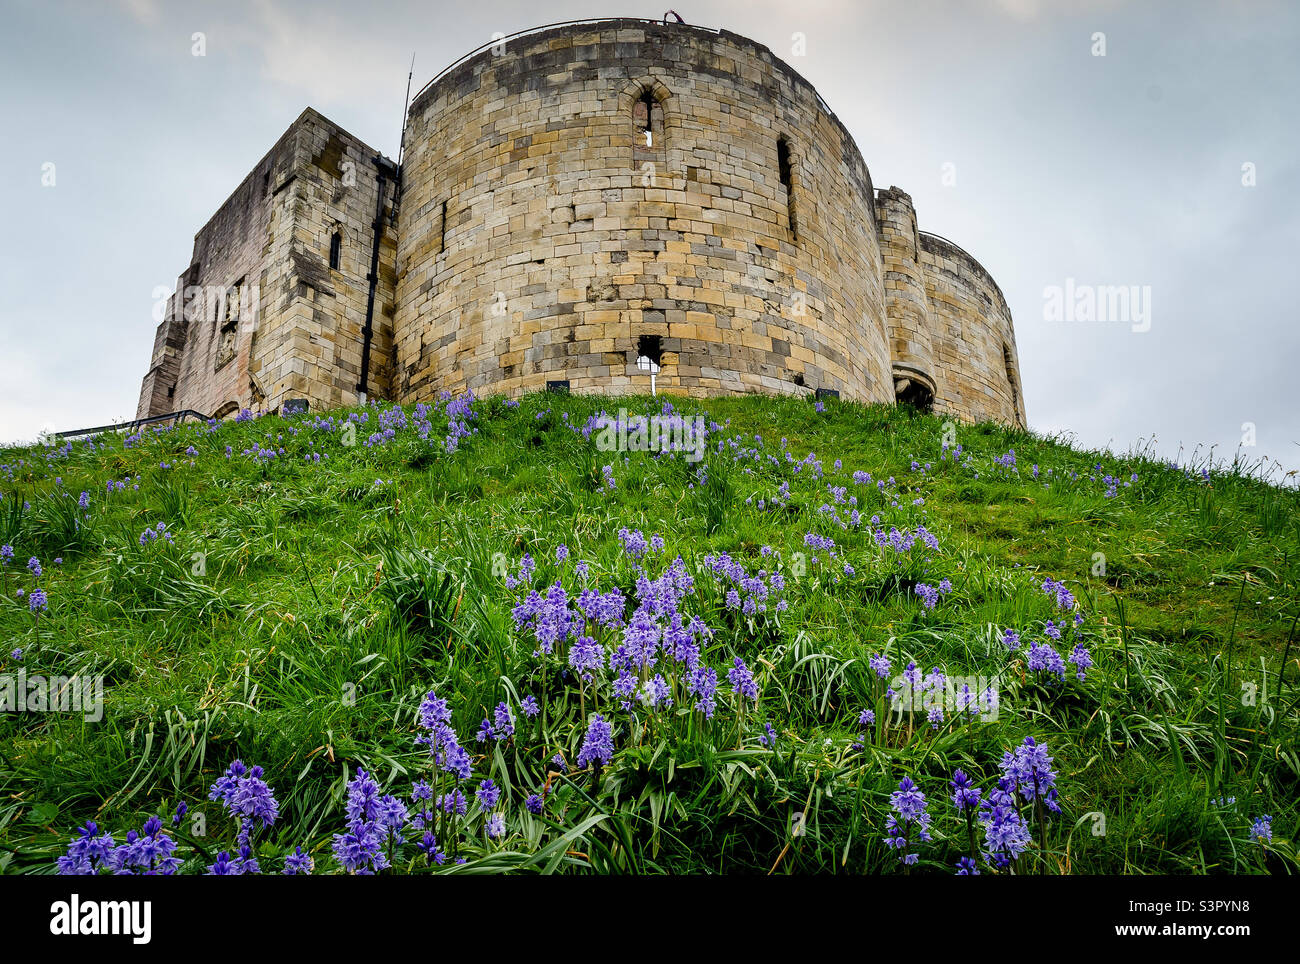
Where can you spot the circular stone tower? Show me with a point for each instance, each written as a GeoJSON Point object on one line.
{"type": "Point", "coordinates": [584, 196]}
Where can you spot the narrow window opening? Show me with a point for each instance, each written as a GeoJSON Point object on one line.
{"type": "Point", "coordinates": [649, 352]}
{"type": "Point", "coordinates": [442, 229]}
{"type": "Point", "coordinates": [643, 116]}
{"type": "Point", "coordinates": [785, 170]}
{"type": "Point", "coordinates": [336, 250]}
{"type": "Point", "coordinates": [1011, 378]}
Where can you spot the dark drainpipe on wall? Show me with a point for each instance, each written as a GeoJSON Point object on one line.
{"type": "Point", "coordinates": [386, 169]}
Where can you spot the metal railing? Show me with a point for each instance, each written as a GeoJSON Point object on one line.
{"type": "Point", "coordinates": [135, 424]}
{"type": "Point", "coordinates": [550, 26]}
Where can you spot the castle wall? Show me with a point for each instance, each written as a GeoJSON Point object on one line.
{"type": "Point", "coordinates": [974, 342]}
{"type": "Point", "coordinates": [566, 237]}
{"type": "Point", "coordinates": [907, 307]}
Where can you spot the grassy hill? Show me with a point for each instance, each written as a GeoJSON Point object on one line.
{"type": "Point", "coordinates": [664, 662]}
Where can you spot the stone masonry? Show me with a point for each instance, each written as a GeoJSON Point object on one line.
{"type": "Point", "coordinates": [571, 199]}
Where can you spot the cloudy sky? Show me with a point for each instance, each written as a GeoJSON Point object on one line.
{"type": "Point", "coordinates": [1170, 163]}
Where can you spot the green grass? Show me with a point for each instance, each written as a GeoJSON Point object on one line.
{"type": "Point", "coordinates": [304, 609]}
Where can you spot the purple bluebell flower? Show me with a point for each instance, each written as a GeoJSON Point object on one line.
{"type": "Point", "coordinates": [703, 685]}
{"type": "Point", "coordinates": [1006, 835]}
{"type": "Point", "coordinates": [909, 813]}
{"type": "Point", "coordinates": [246, 796]}
{"type": "Point", "coordinates": [965, 795]}
{"type": "Point", "coordinates": [1262, 829]}
{"type": "Point", "coordinates": [488, 794]}
{"type": "Point", "coordinates": [1028, 770]}
{"type": "Point", "coordinates": [1044, 659]}
{"type": "Point", "coordinates": [742, 680]}
{"type": "Point", "coordinates": [1081, 659]}
{"type": "Point", "coordinates": [298, 864]}
{"type": "Point", "coordinates": [929, 595]}
{"type": "Point", "coordinates": [598, 744]}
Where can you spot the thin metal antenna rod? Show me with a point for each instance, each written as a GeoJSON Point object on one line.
{"type": "Point", "coordinates": [405, 108]}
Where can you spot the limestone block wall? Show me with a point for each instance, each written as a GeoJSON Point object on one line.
{"type": "Point", "coordinates": [907, 308]}
{"type": "Point", "coordinates": [312, 348]}
{"type": "Point", "coordinates": [974, 342]}
{"type": "Point", "coordinates": [541, 235]}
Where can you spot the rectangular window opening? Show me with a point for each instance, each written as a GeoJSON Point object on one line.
{"type": "Point", "coordinates": [785, 170]}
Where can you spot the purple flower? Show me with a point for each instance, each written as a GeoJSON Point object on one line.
{"type": "Point", "coordinates": [488, 794]}
{"type": "Point", "coordinates": [89, 853]}
{"type": "Point", "coordinates": [1006, 835]}
{"type": "Point", "coordinates": [1081, 659]}
{"type": "Point", "coordinates": [37, 600]}
{"type": "Point", "coordinates": [534, 804]}
{"type": "Point", "coordinates": [375, 824]}
{"type": "Point", "coordinates": [529, 705]}
{"type": "Point", "coordinates": [504, 722]}
{"type": "Point", "coordinates": [909, 813]}
{"type": "Point", "coordinates": [929, 595]}
{"type": "Point", "coordinates": [1262, 829]}
{"type": "Point", "coordinates": [1028, 769]}
{"type": "Point", "coordinates": [598, 744]}
{"type": "Point", "coordinates": [704, 686]}
{"type": "Point", "coordinates": [966, 867]}
{"type": "Point", "coordinates": [742, 680]}
{"type": "Point", "coordinates": [965, 795]}
{"type": "Point", "coordinates": [634, 543]}
{"type": "Point", "coordinates": [298, 864]}
{"type": "Point", "coordinates": [1044, 659]}
{"type": "Point", "coordinates": [34, 565]}
{"type": "Point", "coordinates": [245, 795]}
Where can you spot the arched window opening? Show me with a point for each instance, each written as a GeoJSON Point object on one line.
{"type": "Point", "coordinates": [645, 113]}
{"type": "Point", "coordinates": [785, 169]}
{"type": "Point", "coordinates": [336, 250]}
